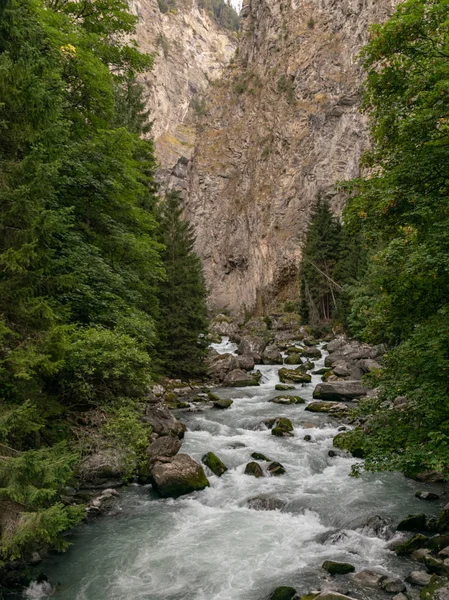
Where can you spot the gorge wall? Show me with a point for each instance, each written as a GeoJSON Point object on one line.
{"type": "Point", "coordinates": [190, 51]}
{"type": "Point", "coordinates": [253, 136]}
{"type": "Point", "coordinates": [282, 126]}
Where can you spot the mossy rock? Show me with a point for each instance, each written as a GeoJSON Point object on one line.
{"type": "Point", "coordinates": [283, 428]}
{"type": "Point", "coordinates": [287, 400]}
{"type": "Point", "coordinates": [171, 397]}
{"type": "Point", "coordinates": [213, 397]}
{"type": "Point", "coordinates": [413, 523]}
{"type": "Point", "coordinates": [283, 593]}
{"type": "Point", "coordinates": [337, 568]}
{"type": "Point", "coordinates": [414, 543]}
{"type": "Point", "coordinates": [430, 592]}
{"type": "Point", "coordinates": [275, 468]}
{"type": "Point", "coordinates": [223, 403]}
{"type": "Point", "coordinates": [260, 456]}
{"type": "Point", "coordinates": [182, 405]}
{"type": "Point", "coordinates": [294, 375]}
{"type": "Point", "coordinates": [283, 387]}
{"type": "Point", "coordinates": [293, 359]}
{"type": "Point", "coordinates": [254, 469]}
{"type": "Point", "coordinates": [322, 371]}
{"type": "Point", "coordinates": [310, 596]}
{"type": "Point", "coordinates": [294, 350]}
{"type": "Point", "coordinates": [214, 463]}
{"type": "Point", "coordinates": [308, 365]}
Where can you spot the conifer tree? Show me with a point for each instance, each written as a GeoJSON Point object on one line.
{"type": "Point", "coordinates": [319, 256]}
{"type": "Point", "coordinates": [182, 297]}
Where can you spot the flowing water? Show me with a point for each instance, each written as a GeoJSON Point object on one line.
{"type": "Point", "coordinates": [210, 545]}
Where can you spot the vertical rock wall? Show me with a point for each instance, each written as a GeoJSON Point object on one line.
{"type": "Point", "coordinates": [281, 128]}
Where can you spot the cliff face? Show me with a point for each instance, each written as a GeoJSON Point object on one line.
{"type": "Point", "coordinates": [282, 126]}
{"type": "Point", "coordinates": [191, 51]}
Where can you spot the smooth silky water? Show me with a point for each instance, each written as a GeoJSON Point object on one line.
{"type": "Point", "coordinates": [209, 545]}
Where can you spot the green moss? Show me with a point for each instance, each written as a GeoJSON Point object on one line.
{"type": "Point", "coordinates": [283, 387]}
{"type": "Point", "coordinates": [283, 593]}
{"type": "Point", "coordinates": [223, 403]}
{"type": "Point", "coordinates": [337, 568]}
{"type": "Point", "coordinates": [283, 427]}
{"type": "Point", "coordinates": [414, 543]}
{"type": "Point", "coordinates": [294, 375]}
{"type": "Point", "coordinates": [214, 463]}
{"type": "Point", "coordinates": [428, 593]}
{"type": "Point", "coordinates": [260, 456]}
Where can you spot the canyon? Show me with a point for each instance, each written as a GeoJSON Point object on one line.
{"type": "Point", "coordinates": [253, 131]}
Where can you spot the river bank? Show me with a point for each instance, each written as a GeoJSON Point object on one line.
{"type": "Point", "coordinates": [244, 536]}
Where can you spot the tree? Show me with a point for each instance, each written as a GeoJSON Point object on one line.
{"type": "Point", "coordinates": [401, 211]}
{"type": "Point", "coordinates": [182, 296]}
{"type": "Point", "coordinates": [79, 259]}
{"type": "Point", "coordinates": [320, 254]}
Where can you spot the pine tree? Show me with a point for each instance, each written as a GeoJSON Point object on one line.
{"type": "Point", "coordinates": [320, 254]}
{"type": "Point", "coordinates": [182, 297]}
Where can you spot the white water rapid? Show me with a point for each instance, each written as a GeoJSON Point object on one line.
{"type": "Point", "coordinates": [210, 545]}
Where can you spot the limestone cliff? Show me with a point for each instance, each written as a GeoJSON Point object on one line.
{"type": "Point", "coordinates": [191, 51]}
{"type": "Point", "coordinates": [282, 126]}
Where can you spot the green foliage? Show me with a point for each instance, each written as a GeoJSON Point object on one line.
{"type": "Point", "coordinates": [184, 323]}
{"type": "Point", "coordinates": [79, 260]}
{"type": "Point", "coordinates": [401, 213]}
{"type": "Point", "coordinates": [43, 526]}
{"type": "Point", "coordinates": [320, 254]}
{"type": "Point", "coordinates": [222, 12]}
{"type": "Point", "coordinates": [126, 430]}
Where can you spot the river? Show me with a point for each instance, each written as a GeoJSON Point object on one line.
{"type": "Point", "coordinates": [210, 545]}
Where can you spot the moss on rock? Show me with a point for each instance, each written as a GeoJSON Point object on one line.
{"type": "Point", "coordinates": [212, 461]}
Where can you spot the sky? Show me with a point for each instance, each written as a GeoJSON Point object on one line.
{"type": "Point", "coordinates": [237, 4]}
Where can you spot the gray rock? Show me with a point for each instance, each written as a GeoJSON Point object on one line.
{"type": "Point", "coordinates": [254, 469]}
{"type": "Point", "coordinates": [369, 577]}
{"type": "Point", "coordinates": [165, 446]}
{"type": "Point", "coordinates": [253, 346]}
{"type": "Point", "coordinates": [265, 503]}
{"type": "Point", "coordinates": [272, 356]}
{"type": "Point", "coordinates": [326, 407]}
{"type": "Point", "coordinates": [246, 363]}
{"type": "Point", "coordinates": [239, 378]}
{"type": "Point", "coordinates": [429, 496]}
{"type": "Point", "coordinates": [180, 475]}
{"type": "Point", "coordinates": [419, 578]}
{"type": "Point", "coordinates": [103, 469]}
{"type": "Point", "coordinates": [219, 365]}
{"type": "Point", "coordinates": [339, 390]}
{"type": "Point", "coordinates": [393, 585]}
{"type": "Point", "coordinates": [162, 421]}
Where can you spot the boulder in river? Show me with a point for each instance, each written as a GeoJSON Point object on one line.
{"type": "Point", "coordinates": [419, 578]}
{"type": "Point", "coordinates": [339, 390]}
{"type": "Point", "coordinates": [265, 503]}
{"type": "Point", "coordinates": [272, 356]}
{"type": "Point", "coordinates": [413, 523]}
{"type": "Point", "coordinates": [163, 446]}
{"type": "Point", "coordinates": [283, 387]}
{"type": "Point", "coordinates": [252, 346]}
{"type": "Point", "coordinates": [282, 428]}
{"type": "Point", "coordinates": [254, 469]}
{"type": "Point", "coordinates": [326, 407]}
{"type": "Point", "coordinates": [370, 578]}
{"type": "Point", "coordinates": [293, 359]}
{"type": "Point", "coordinates": [409, 546]}
{"type": "Point", "coordinates": [178, 476]}
{"type": "Point", "coordinates": [246, 362]}
{"type": "Point", "coordinates": [219, 365]}
{"type": "Point", "coordinates": [312, 352]}
{"type": "Point", "coordinates": [429, 496]}
{"type": "Point", "coordinates": [294, 376]}
{"type": "Point", "coordinates": [283, 593]}
{"type": "Point", "coordinates": [260, 456]}
{"type": "Point", "coordinates": [223, 403]}
{"type": "Point", "coordinates": [214, 463]}
{"type": "Point", "coordinates": [337, 568]}
{"type": "Point", "coordinates": [275, 469]}
{"type": "Point", "coordinates": [239, 378]}
{"type": "Point", "coordinates": [287, 400]}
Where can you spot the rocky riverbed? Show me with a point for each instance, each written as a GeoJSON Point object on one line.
{"type": "Point", "coordinates": [245, 496]}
